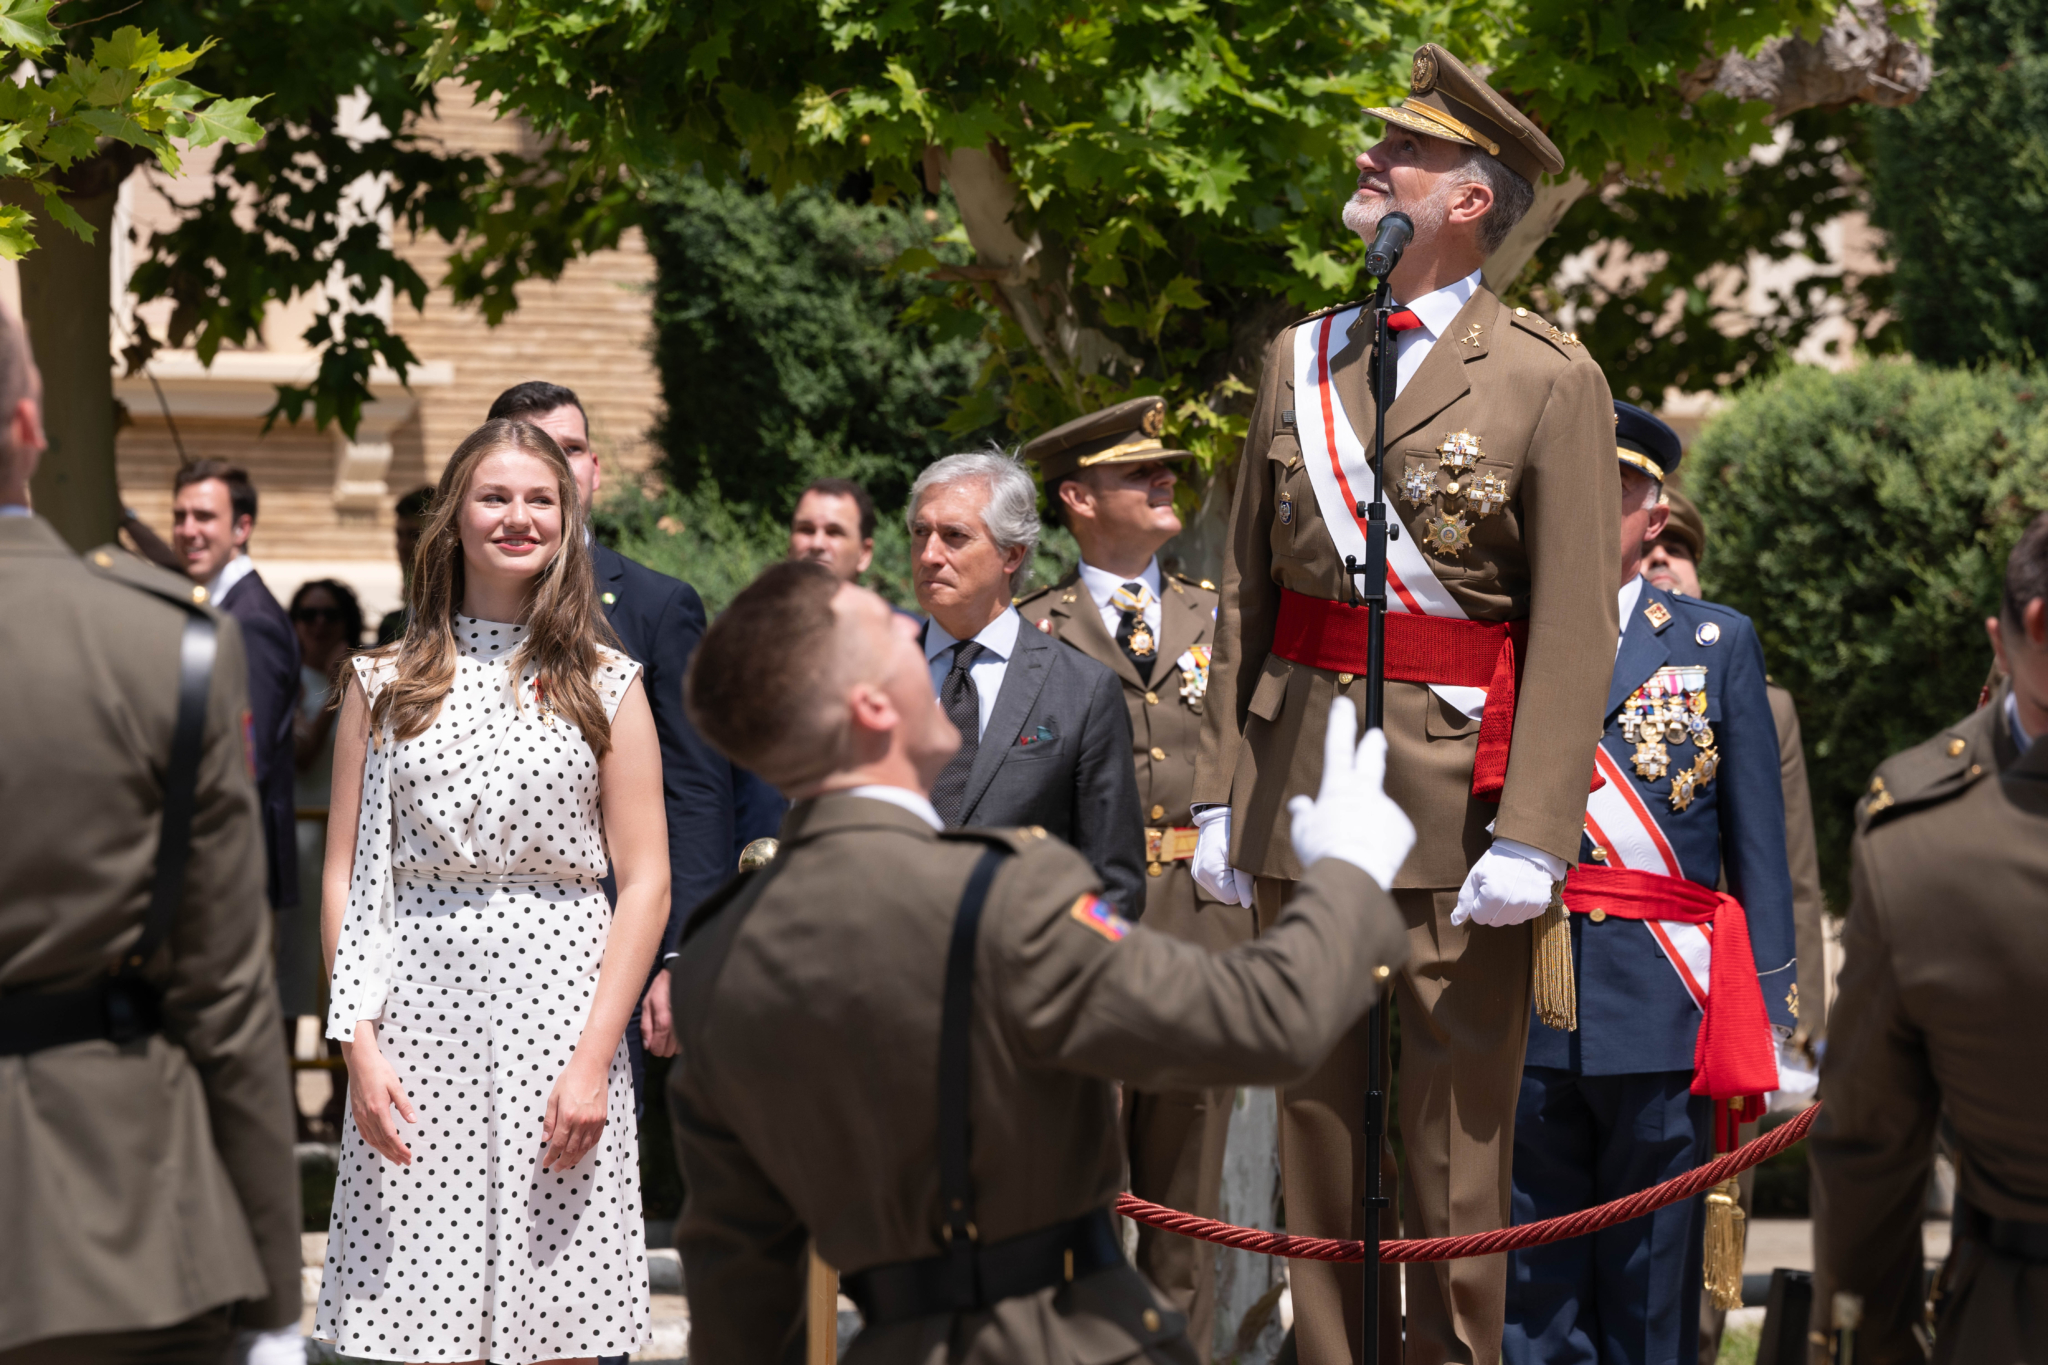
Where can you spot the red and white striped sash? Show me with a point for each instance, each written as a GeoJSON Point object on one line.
{"type": "Point", "coordinates": [1620, 823]}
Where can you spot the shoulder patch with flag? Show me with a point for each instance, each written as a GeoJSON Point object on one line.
{"type": "Point", "coordinates": [1099, 915]}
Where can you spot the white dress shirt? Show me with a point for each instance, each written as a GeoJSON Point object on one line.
{"type": "Point", "coordinates": [901, 796]}
{"type": "Point", "coordinates": [1631, 593]}
{"type": "Point", "coordinates": [15, 509]}
{"type": "Point", "coordinates": [1102, 586]}
{"type": "Point", "coordinates": [2020, 737]}
{"type": "Point", "coordinates": [998, 641]}
{"type": "Point", "coordinates": [231, 573]}
{"type": "Point", "coordinates": [1434, 310]}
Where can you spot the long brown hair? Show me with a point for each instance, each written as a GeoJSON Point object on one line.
{"type": "Point", "coordinates": [563, 624]}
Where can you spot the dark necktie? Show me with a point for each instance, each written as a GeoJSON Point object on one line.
{"type": "Point", "coordinates": [963, 707]}
{"type": "Point", "coordinates": [1131, 631]}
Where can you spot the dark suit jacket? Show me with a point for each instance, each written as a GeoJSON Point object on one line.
{"type": "Point", "coordinates": [273, 649]}
{"type": "Point", "coordinates": [659, 620]}
{"type": "Point", "coordinates": [1078, 783]}
{"type": "Point", "coordinates": [1635, 1015]}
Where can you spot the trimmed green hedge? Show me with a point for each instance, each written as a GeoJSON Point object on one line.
{"type": "Point", "coordinates": [1863, 521]}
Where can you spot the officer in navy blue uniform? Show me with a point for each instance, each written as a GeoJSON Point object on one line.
{"type": "Point", "coordinates": [1607, 1109]}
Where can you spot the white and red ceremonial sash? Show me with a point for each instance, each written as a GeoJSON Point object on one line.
{"type": "Point", "coordinates": [1619, 822]}
{"type": "Point", "coordinates": [1340, 471]}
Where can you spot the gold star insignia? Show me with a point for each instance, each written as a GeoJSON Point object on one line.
{"type": "Point", "coordinates": [1460, 450]}
{"type": "Point", "coordinates": [1447, 534]}
{"type": "Point", "coordinates": [1486, 494]}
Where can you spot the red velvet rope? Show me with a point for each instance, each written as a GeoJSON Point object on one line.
{"type": "Point", "coordinates": [1478, 1243]}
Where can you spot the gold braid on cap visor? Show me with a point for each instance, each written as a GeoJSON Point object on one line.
{"type": "Point", "coordinates": [1449, 124]}
{"type": "Point", "coordinates": [1148, 445]}
{"type": "Point", "coordinates": [1642, 462]}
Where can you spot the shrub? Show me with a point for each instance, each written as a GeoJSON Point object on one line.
{"type": "Point", "coordinates": [1863, 521]}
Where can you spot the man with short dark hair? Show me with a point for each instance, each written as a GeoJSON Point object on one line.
{"type": "Point", "coordinates": [213, 514]}
{"type": "Point", "coordinates": [410, 516]}
{"type": "Point", "coordinates": [834, 525]}
{"type": "Point", "coordinates": [1044, 737]}
{"type": "Point", "coordinates": [1938, 1021]}
{"type": "Point", "coordinates": [898, 1038]}
{"type": "Point", "coordinates": [659, 619]}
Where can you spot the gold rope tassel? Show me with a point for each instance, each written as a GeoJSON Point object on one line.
{"type": "Point", "coordinates": [1724, 1244]}
{"type": "Point", "coordinates": [1557, 991]}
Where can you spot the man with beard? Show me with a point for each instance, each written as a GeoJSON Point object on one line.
{"type": "Point", "coordinates": [1500, 463]}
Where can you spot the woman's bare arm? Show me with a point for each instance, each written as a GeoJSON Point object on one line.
{"type": "Point", "coordinates": [344, 804]}
{"type": "Point", "coordinates": [636, 831]}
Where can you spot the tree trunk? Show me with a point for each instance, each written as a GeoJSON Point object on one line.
{"type": "Point", "coordinates": [67, 306]}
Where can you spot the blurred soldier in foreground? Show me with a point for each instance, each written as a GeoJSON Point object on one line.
{"type": "Point", "coordinates": [872, 1059]}
{"type": "Point", "coordinates": [148, 1192]}
{"type": "Point", "coordinates": [1944, 971]}
{"type": "Point", "coordinates": [1108, 478]}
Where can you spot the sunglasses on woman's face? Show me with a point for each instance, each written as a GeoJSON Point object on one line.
{"type": "Point", "coordinates": [333, 616]}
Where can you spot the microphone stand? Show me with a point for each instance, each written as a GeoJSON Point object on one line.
{"type": "Point", "coordinates": [1373, 591]}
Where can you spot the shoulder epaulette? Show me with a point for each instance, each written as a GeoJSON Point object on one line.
{"type": "Point", "coordinates": [721, 900]}
{"type": "Point", "coordinates": [1567, 343]}
{"type": "Point", "coordinates": [1204, 584]}
{"type": "Point", "coordinates": [1011, 839]}
{"type": "Point", "coordinates": [116, 564]}
{"type": "Point", "coordinates": [1326, 312]}
{"type": "Point", "coordinates": [1929, 773]}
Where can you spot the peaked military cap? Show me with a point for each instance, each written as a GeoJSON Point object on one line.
{"type": "Point", "coordinates": [1446, 100]}
{"type": "Point", "coordinates": [1645, 442]}
{"type": "Point", "coordinates": [1686, 526]}
{"type": "Point", "coordinates": [1125, 434]}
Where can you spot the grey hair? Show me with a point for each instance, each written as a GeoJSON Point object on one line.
{"type": "Point", "coordinates": [1513, 197]}
{"type": "Point", "coordinates": [1011, 514]}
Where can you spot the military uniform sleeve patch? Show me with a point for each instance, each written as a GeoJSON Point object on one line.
{"type": "Point", "coordinates": [1095, 913]}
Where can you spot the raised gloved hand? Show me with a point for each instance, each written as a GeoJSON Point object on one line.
{"type": "Point", "coordinates": [283, 1346]}
{"type": "Point", "coordinates": [1352, 817]}
{"type": "Point", "coordinates": [1510, 884]}
{"type": "Point", "coordinates": [1211, 864]}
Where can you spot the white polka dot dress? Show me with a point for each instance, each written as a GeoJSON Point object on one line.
{"type": "Point", "coordinates": [474, 933]}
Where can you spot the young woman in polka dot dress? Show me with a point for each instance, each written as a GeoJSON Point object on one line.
{"type": "Point", "coordinates": [494, 762]}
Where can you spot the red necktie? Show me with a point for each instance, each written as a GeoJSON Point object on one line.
{"type": "Point", "coordinates": [1403, 321]}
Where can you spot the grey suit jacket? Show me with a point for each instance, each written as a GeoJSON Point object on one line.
{"type": "Point", "coordinates": [1057, 753]}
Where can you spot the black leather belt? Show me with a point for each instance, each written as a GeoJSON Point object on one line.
{"type": "Point", "coordinates": [118, 1008]}
{"type": "Point", "coordinates": [1001, 1270]}
{"type": "Point", "coordinates": [2020, 1238]}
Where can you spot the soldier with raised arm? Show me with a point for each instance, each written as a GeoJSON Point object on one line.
{"type": "Point", "coordinates": [1499, 636]}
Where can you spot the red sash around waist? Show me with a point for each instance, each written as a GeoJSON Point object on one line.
{"type": "Point", "coordinates": [1421, 649]}
{"type": "Point", "coordinates": [1735, 1056]}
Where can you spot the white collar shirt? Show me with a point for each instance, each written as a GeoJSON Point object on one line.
{"type": "Point", "coordinates": [15, 509]}
{"type": "Point", "coordinates": [914, 802]}
{"type": "Point", "coordinates": [1435, 310]}
{"type": "Point", "coordinates": [1102, 586]}
{"type": "Point", "coordinates": [1631, 593]}
{"type": "Point", "coordinates": [2020, 737]}
{"type": "Point", "coordinates": [233, 572]}
{"type": "Point", "coordinates": [998, 641]}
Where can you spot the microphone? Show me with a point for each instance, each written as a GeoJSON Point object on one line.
{"type": "Point", "coordinates": [1397, 229]}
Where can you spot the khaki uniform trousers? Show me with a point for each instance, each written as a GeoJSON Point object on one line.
{"type": "Point", "coordinates": [1463, 1000]}
{"type": "Point", "coordinates": [1175, 1139]}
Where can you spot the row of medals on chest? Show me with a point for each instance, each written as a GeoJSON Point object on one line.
{"type": "Point", "coordinates": [1667, 711]}
{"type": "Point", "coordinates": [1482, 493]}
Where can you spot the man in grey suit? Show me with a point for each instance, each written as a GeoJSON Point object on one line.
{"type": "Point", "coordinates": [1044, 736]}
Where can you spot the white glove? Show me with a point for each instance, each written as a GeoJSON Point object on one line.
{"type": "Point", "coordinates": [1352, 817]}
{"type": "Point", "coordinates": [1211, 864]}
{"type": "Point", "coordinates": [1510, 884]}
{"type": "Point", "coordinates": [282, 1347]}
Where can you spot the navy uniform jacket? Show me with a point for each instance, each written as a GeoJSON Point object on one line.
{"type": "Point", "coordinates": [660, 620]}
{"type": "Point", "coordinates": [273, 649]}
{"type": "Point", "coordinates": [1634, 1013]}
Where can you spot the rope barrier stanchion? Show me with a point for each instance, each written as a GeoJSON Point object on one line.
{"type": "Point", "coordinates": [1480, 1243]}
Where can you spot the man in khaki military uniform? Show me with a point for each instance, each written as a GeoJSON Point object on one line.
{"type": "Point", "coordinates": [899, 1040]}
{"type": "Point", "coordinates": [1108, 477]}
{"type": "Point", "coordinates": [147, 1188]}
{"type": "Point", "coordinates": [1500, 629]}
{"type": "Point", "coordinates": [1945, 967]}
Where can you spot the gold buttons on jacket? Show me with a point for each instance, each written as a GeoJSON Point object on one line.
{"type": "Point", "coordinates": [1152, 869]}
{"type": "Point", "coordinates": [1344, 679]}
{"type": "Point", "coordinates": [1956, 746]}
{"type": "Point", "coordinates": [1151, 699]}
{"type": "Point", "coordinates": [1150, 1318]}
{"type": "Point", "coordinates": [1159, 812]}
{"type": "Point", "coordinates": [1598, 917]}
{"type": "Point", "coordinates": [1158, 755]}
{"type": "Point", "coordinates": [1382, 972]}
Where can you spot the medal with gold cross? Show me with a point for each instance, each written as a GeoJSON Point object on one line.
{"type": "Point", "coordinates": [1446, 534]}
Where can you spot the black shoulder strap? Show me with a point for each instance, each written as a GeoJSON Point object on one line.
{"type": "Point", "coordinates": [956, 1039]}
{"type": "Point", "coordinates": [196, 649]}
